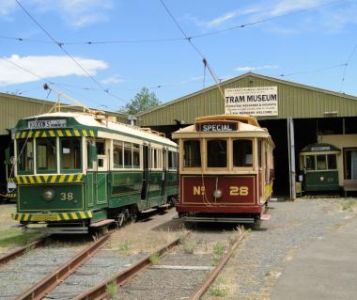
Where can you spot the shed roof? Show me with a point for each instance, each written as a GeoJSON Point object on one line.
{"type": "Point", "coordinates": [294, 100]}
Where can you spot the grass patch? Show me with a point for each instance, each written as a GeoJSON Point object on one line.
{"type": "Point", "coordinates": [155, 258]}
{"type": "Point", "coordinates": [15, 237]}
{"type": "Point", "coordinates": [218, 290]}
{"type": "Point", "coordinates": [124, 248]}
{"type": "Point", "coordinates": [218, 251]}
{"type": "Point", "coordinates": [189, 246]}
{"type": "Point", "coordinates": [111, 290]}
{"type": "Point", "coordinates": [349, 205]}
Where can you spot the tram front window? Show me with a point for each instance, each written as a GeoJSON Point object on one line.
{"type": "Point", "coordinates": [25, 156]}
{"type": "Point", "coordinates": [192, 153]}
{"type": "Point", "coordinates": [216, 154]}
{"type": "Point", "coordinates": [71, 153]}
{"type": "Point", "coordinates": [242, 153]}
{"type": "Point", "coordinates": [46, 154]}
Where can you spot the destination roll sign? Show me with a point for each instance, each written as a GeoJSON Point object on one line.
{"type": "Point", "coordinates": [42, 124]}
{"type": "Point", "coordinates": [217, 127]}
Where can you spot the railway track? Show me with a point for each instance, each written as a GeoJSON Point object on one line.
{"type": "Point", "coordinates": [169, 274]}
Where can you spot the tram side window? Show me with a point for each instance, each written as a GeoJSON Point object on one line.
{"type": "Point", "coordinates": [118, 155]}
{"type": "Point", "coordinates": [100, 151]}
{"type": "Point", "coordinates": [71, 153]}
{"type": "Point", "coordinates": [46, 152]}
{"type": "Point", "coordinates": [242, 153]}
{"type": "Point", "coordinates": [216, 153]}
{"type": "Point", "coordinates": [136, 156]}
{"type": "Point", "coordinates": [192, 153]}
{"type": "Point", "coordinates": [25, 155]}
{"type": "Point", "coordinates": [321, 162]}
{"type": "Point", "coordinates": [331, 162]}
{"type": "Point", "coordinates": [127, 155]}
{"type": "Point", "coordinates": [172, 160]}
{"type": "Point", "coordinates": [310, 162]}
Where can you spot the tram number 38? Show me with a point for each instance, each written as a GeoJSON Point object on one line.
{"type": "Point", "coordinates": [233, 190]}
{"type": "Point", "coordinates": [66, 196]}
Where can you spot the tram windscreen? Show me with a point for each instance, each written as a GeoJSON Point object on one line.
{"type": "Point", "coordinates": [25, 155]}
{"type": "Point", "coordinates": [71, 153]}
{"type": "Point", "coordinates": [242, 153]}
{"type": "Point", "coordinates": [46, 154]}
{"type": "Point", "coordinates": [216, 153]}
{"type": "Point", "coordinates": [192, 153]}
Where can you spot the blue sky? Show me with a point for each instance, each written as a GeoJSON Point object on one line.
{"type": "Point", "coordinates": [136, 43]}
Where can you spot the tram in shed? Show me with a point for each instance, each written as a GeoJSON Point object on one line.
{"type": "Point", "coordinates": [80, 171]}
{"type": "Point", "coordinates": [225, 170]}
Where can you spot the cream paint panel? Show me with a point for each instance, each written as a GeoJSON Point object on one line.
{"type": "Point", "coordinates": [340, 141]}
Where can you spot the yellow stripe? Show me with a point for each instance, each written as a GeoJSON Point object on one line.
{"type": "Point", "coordinates": [82, 214]}
{"type": "Point", "coordinates": [53, 178]}
{"type": "Point", "coordinates": [44, 135]}
{"type": "Point", "coordinates": [30, 134]}
{"type": "Point", "coordinates": [65, 216]}
{"type": "Point", "coordinates": [23, 135]}
{"type": "Point", "coordinates": [31, 179]}
{"type": "Point", "coordinates": [90, 215]}
{"type": "Point", "coordinates": [24, 179]}
{"type": "Point", "coordinates": [79, 177]}
{"type": "Point", "coordinates": [62, 178]}
{"type": "Point", "coordinates": [91, 132]}
{"type": "Point", "coordinates": [74, 216]}
{"type": "Point", "coordinates": [70, 178]}
{"type": "Point", "coordinates": [76, 132]}
{"type": "Point", "coordinates": [26, 217]}
{"type": "Point", "coordinates": [84, 132]}
{"type": "Point", "coordinates": [52, 133]}
{"type": "Point", "coordinates": [18, 179]}
{"type": "Point", "coordinates": [18, 135]}
{"type": "Point", "coordinates": [60, 133]}
{"type": "Point", "coordinates": [38, 179]}
{"type": "Point", "coordinates": [45, 178]}
{"type": "Point", "coordinates": [68, 132]}
{"type": "Point", "coordinates": [37, 134]}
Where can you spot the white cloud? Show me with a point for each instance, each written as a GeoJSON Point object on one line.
{"type": "Point", "coordinates": [7, 6]}
{"type": "Point", "coordinates": [115, 79]}
{"type": "Point", "coordinates": [256, 68]}
{"type": "Point", "coordinates": [45, 67]}
{"type": "Point", "coordinates": [329, 13]}
{"type": "Point", "coordinates": [77, 13]}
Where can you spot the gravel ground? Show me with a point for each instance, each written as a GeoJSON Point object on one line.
{"type": "Point", "coordinates": [208, 243]}
{"type": "Point", "coordinates": [19, 275]}
{"type": "Point", "coordinates": [252, 272]}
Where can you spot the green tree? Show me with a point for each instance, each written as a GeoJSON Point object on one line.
{"type": "Point", "coordinates": [142, 101]}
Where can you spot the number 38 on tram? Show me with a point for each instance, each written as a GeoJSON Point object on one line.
{"type": "Point", "coordinates": [226, 170]}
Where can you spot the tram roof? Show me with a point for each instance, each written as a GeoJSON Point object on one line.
{"type": "Point", "coordinates": [90, 120]}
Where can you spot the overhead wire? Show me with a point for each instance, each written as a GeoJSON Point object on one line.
{"type": "Point", "coordinates": [60, 45]}
{"type": "Point", "coordinates": [348, 60]}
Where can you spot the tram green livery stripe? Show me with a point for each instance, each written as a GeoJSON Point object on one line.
{"type": "Point", "coordinates": [41, 179]}
{"type": "Point", "coordinates": [23, 134]}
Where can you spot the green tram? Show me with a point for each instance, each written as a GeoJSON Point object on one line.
{"type": "Point", "coordinates": [318, 162]}
{"type": "Point", "coordinates": [80, 171]}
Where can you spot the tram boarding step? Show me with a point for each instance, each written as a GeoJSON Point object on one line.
{"type": "Point", "coordinates": [265, 217]}
{"type": "Point", "coordinates": [102, 223]}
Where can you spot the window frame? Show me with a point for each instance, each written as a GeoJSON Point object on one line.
{"type": "Point", "coordinates": [74, 170]}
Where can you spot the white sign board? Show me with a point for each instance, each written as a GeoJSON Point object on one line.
{"type": "Point", "coordinates": [254, 101]}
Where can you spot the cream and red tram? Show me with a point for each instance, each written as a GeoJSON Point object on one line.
{"type": "Point", "coordinates": [226, 170]}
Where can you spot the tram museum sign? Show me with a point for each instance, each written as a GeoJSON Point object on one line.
{"type": "Point", "coordinates": [254, 101]}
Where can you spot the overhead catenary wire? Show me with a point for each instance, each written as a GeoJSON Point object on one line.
{"type": "Point", "coordinates": [60, 45]}
{"type": "Point", "coordinates": [167, 39]}
{"type": "Point", "coordinates": [348, 60]}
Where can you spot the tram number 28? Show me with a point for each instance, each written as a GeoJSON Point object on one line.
{"type": "Point", "coordinates": [238, 191]}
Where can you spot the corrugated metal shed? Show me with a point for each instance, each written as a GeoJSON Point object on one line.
{"type": "Point", "coordinates": [294, 100]}
{"type": "Point", "coordinates": [13, 108]}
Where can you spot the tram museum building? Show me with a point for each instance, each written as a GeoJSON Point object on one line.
{"type": "Point", "coordinates": [314, 130]}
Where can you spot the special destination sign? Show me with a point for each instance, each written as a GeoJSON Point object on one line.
{"type": "Point", "coordinates": [217, 127]}
{"type": "Point", "coordinates": [254, 101]}
{"type": "Point", "coordinates": [41, 124]}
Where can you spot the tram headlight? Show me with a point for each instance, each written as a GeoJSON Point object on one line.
{"type": "Point", "coordinates": [48, 194]}
{"type": "Point", "coordinates": [217, 194]}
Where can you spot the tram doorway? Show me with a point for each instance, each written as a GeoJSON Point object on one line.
{"type": "Point", "coordinates": [5, 143]}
